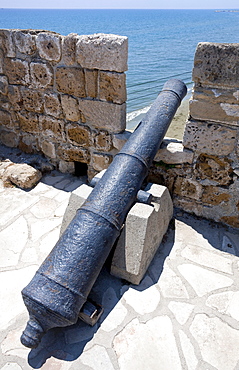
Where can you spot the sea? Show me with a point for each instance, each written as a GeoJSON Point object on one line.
{"type": "Point", "coordinates": [162, 43]}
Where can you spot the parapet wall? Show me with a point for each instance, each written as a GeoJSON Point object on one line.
{"type": "Point", "coordinates": [63, 96]}
{"type": "Point", "coordinates": [207, 180]}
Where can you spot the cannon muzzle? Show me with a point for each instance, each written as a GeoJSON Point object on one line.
{"type": "Point", "coordinates": [62, 284]}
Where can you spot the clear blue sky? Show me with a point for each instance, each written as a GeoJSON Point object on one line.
{"type": "Point", "coordinates": [122, 4]}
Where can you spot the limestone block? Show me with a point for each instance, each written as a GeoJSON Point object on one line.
{"type": "Point", "coordinates": [21, 175]}
{"type": "Point", "coordinates": [70, 108]}
{"type": "Point", "coordinates": [101, 161]}
{"type": "Point", "coordinates": [120, 139]}
{"type": "Point", "coordinates": [3, 85]}
{"type": "Point", "coordinates": [7, 44]}
{"type": "Point", "coordinates": [1, 60]}
{"type": "Point", "coordinates": [28, 143]}
{"type": "Point", "coordinates": [216, 65]}
{"type": "Point", "coordinates": [78, 134]}
{"type": "Point", "coordinates": [216, 95]}
{"type": "Point", "coordinates": [104, 115]}
{"type": "Point", "coordinates": [52, 105]}
{"type": "Point", "coordinates": [5, 118]}
{"type": "Point", "coordinates": [4, 165]}
{"type": "Point", "coordinates": [91, 83]}
{"type": "Point", "coordinates": [215, 195]}
{"type": "Point", "coordinates": [15, 97]}
{"type": "Point", "coordinates": [17, 71]}
{"type": "Point", "coordinates": [142, 234]}
{"type": "Point", "coordinates": [67, 167]}
{"type": "Point", "coordinates": [51, 127]}
{"type": "Point", "coordinates": [70, 80]}
{"type": "Point", "coordinates": [41, 75]}
{"type": "Point", "coordinates": [77, 198]}
{"type": "Point", "coordinates": [72, 154]}
{"type": "Point", "coordinates": [25, 42]}
{"type": "Point", "coordinates": [69, 49]}
{"type": "Point", "coordinates": [32, 100]}
{"type": "Point", "coordinates": [112, 87]}
{"type": "Point", "coordinates": [102, 140]}
{"type": "Point", "coordinates": [29, 122]}
{"type": "Point", "coordinates": [213, 170]}
{"type": "Point", "coordinates": [222, 112]}
{"type": "Point", "coordinates": [173, 152]}
{"type": "Point", "coordinates": [209, 138]}
{"type": "Point", "coordinates": [48, 148]}
{"type": "Point", "coordinates": [9, 138]}
{"type": "Point", "coordinates": [187, 188]}
{"type": "Point", "coordinates": [102, 51]}
{"type": "Point", "coordinates": [49, 46]}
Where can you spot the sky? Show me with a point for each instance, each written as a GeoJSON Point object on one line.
{"type": "Point", "coordinates": [121, 4]}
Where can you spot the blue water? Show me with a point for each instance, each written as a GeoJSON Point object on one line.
{"type": "Point", "coordinates": [162, 43]}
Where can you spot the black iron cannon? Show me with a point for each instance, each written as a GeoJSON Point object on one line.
{"type": "Point", "coordinates": [61, 285]}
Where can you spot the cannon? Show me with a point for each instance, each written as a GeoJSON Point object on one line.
{"type": "Point", "coordinates": [60, 287]}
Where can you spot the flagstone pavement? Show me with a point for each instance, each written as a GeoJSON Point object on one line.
{"type": "Point", "coordinates": [183, 315]}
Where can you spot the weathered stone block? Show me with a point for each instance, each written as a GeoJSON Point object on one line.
{"type": "Point", "coordinates": [217, 171]}
{"type": "Point", "coordinates": [73, 154]}
{"type": "Point", "coordinates": [69, 49]}
{"type": "Point", "coordinates": [32, 100]}
{"type": "Point", "coordinates": [187, 188]}
{"type": "Point", "coordinates": [209, 138]}
{"type": "Point", "coordinates": [17, 71]}
{"type": "Point", "coordinates": [101, 161]}
{"type": "Point", "coordinates": [78, 134]}
{"type": "Point", "coordinates": [9, 138]}
{"type": "Point", "coordinates": [112, 87]}
{"type": "Point", "coordinates": [48, 148]}
{"type": "Point", "coordinates": [215, 195]}
{"type": "Point", "coordinates": [5, 118]}
{"type": "Point", "coordinates": [142, 234]}
{"type": "Point", "coordinates": [3, 85]}
{"type": "Point", "coordinates": [216, 95]}
{"type": "Point", "coordinates": [52, 105]}
{"type": "Point", "coordinates": [67, 167]}
{"type": "Point", "coordinates": [103, 141]}
{"type": "Point", "coordinates": [216, 64]}
{"type": "Point", "coordinates": [51, 127]}
{"type": "Point", "coordinates": [71, 80]}
{"type": "Point", "coordinates": [104, 115]}
{"type": "Point", "coordinates": [1, 60]}
{"type": "Point", "coordinates": [91, 83]}
{"type": "Point", "coordinates": [25, 42]}
{"type": "Point", "coordinates": [7, 44]}
{"type": "Point", "coordinates": [49, 46]}
{"type": "Point", "coordinates": [28, 122]}
{"type": "Point", "coordinates": [41, 74]}
{"type": "Point", "coordinates": [29, 143]}
{"type": "Point", "coordinates": [222, 112]}
{"type": "Point", "coordinates": [173, 152]}
{"type": "Point", "coordinates": [101, 51]}
{"type": "Point", "coordinates": [230, 220]}
{"type": "Point", "coordinates": [15, 97]}
{"type": "Point", "coordinates": [21, 175]}
{"type": "Point", "coordinates": [70, 108]}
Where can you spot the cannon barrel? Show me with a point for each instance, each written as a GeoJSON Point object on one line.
{"type": "Point", "coordinates": [61, 285]}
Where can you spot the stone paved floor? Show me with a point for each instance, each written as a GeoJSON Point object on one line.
{"type": "Point", "coordinates": [184, 314]}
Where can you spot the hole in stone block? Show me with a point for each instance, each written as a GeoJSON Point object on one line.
{"type": "Point", "coordinates": [80, 169]}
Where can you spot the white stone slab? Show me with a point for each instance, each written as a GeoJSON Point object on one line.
{"type": "Point", "coordinates": [97, 358]}
{"type": "Point", "coordinates": [188, 351]}
{"type": "Point", "coordinates": [217, 341]}
{"type": "Point", "coordinates": [181, 311]}
{"type": "Point", "coordinates": [226, 302]}
{"type": "Point", "coordinates": [143, 299]}
{"type": "Point", "coordinates": [203, 281]}
{"type": "Point", "coordinates": [207, 258]}
{"type": "Point", "coordinates": [171, 285]}
{"type": "Point", "coordinates": [148, 345]}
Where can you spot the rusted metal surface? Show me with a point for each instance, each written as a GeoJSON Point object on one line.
{"type": "Point", "coordinates": [61, 285]}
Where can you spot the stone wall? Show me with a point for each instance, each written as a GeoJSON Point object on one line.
{"type": "Point", "coordinates": [63, 96]}
{"type": "Point", "coordinates": [207, 180]}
